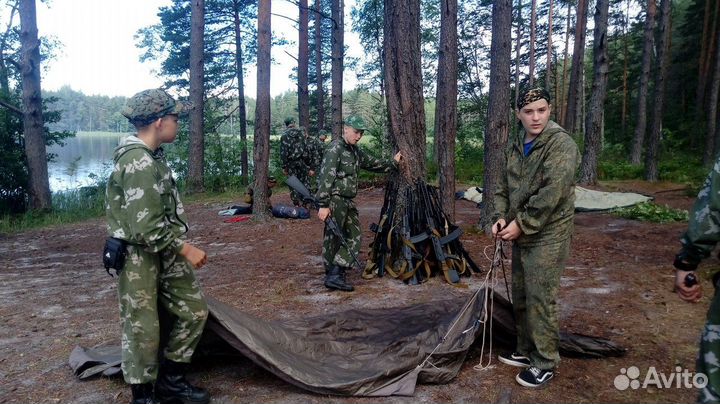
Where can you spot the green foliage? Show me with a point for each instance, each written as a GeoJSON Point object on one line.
{"type": "Point", "coordinates": [651, 212]}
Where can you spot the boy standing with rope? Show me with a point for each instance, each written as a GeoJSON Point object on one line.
{"type": "Point", "coordinates": [534, 208]}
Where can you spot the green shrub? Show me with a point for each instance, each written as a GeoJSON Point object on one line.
{"type": "Point", "coordinates": [651, 212]}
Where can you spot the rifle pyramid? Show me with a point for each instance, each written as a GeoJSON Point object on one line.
{"type": "Point", "coordinates": [414, 238]}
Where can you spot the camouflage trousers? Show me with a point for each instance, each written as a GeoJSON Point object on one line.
{"type": "Point", "coordinates": [536, 274]}
{"type": "Point", "coordinates": [300, 170]}
{"type": "Point", "coordinates": [708, 361]}
{"type": "Point", "coordinates": [147, 281]}
{"type": "Point", "coordinates": [345, 213]}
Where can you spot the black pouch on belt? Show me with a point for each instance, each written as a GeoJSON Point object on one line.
{"type": "Point", "coordinates": [114, 255]}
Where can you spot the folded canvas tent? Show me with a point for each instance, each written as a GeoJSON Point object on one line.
{"type": "Point", "coordinates": [586, 200]}
{"type": "Point", "coordinates": [370, 352]}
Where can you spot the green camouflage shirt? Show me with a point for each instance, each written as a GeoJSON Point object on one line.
{"type": "Point", "coordinates": [314, 153]}
{"type": "Point", "coordinates": [704, 224]}
{"type": "Point", "coordinates": [292, 147]}
{"type": "Point", "coordinates": [142, 201]}
{"type": "Point", "coordinates": [339, 170]}
{"type": "Point", "coordinates": [538, 190]}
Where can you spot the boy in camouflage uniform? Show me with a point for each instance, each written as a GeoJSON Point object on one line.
{"type": "Point", "coordinates": [144, 209]}
{"type": "Point", "coordinates": [699, 240]}
{"type": "Point", "coordinates": [313, 158]}
{"type": "Point", "coordinates": [337, 186]}
{"type": "Point", "coordinates": [292, 157]}
{"type": "Point", "coordinates": [534, 207]}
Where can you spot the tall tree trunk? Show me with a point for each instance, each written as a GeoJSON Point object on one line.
{"type": "Point", "coordinates": [446, 105]}
{"type": "Point", "coordinates": [518, 45]}
{"type": "Point", "coordinates": [403, 79]}
{"type": "Point", "coordinates": [303, 64]}
{"type": "Point", "coordinates": [531, 64]}
{"type": "Point", "coordinates": [318, 65]}
{"type": "Point", "coordinates": [712, 109]}
{"type": "Point", "coordinates": [338, 48]}
{"type": "Point", "coordinates": [624, 114]}
{"type": "Point", "coordinates": [242, 110]}
{"type": "Point", "coordinates": [548, 61]}
{"type": "Point", "coordinates": [663, 58]}
{"type": "Point", "coordinates": [33, 125]}
{"type": "Point", "coordinates": [574, 98]}
{"type": "Point", "coordinates": [498, 120]}
{"type": "Point", "coordinates": [562, 100]}
{"type": "Point", "coordinates": [594, 123]}
{"type": "Point", "coordinates": [261, 152]}
{"type": "Point", "coordinates": [196, 158]}
{"type": "Point", "coordinates": [706, 56]}
{"type": "Point", "coordinates": [648, 45]}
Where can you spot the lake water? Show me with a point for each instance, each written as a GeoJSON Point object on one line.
{"type": "Point", "coordinates": [81, 156]}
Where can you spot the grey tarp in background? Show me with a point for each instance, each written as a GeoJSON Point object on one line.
{"type": "Point", "coordinates": [377, 352]}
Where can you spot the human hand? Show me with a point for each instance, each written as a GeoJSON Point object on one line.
{"type": "Point", "coordinates": [196, 256]}
{"type": "Point", "coordinates": [499, 225]}
{"type": "Point", "coordinates": [311, 173]}
{"type": "Point", "coordinates": [511, 232]}
{"type": "Point", "coordinates": [323, 213]}
{"type": "Point", "coordinates": [285, 171]}
{"type": "Point", "coordinates": [398, 157]}
{"type": "Point", "coordinates": [691, 293]}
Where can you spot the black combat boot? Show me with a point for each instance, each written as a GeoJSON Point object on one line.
{"type": "Point", "coordinates": [335, 279]}
{"type": "Point", "coordinates": [143, 394]}
{"type": "Point", "coordinates": [172, 385]}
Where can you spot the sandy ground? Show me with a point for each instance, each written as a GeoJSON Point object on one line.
{"type": "Point", "coordinates": [54, 295]}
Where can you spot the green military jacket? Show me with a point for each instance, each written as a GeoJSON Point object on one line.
{"type": "Point", "coordinates": [339, 171]}
{"type": "Point", "coordinates": [538, 190]}
{"type": "Point", "coordinates": [314, 153]}
{"type": "Point", "coordinates": [143, 205]}
{"type": "Point", "coordinates": [292, 148]}
{"type": "Point", "coordinates": [703, 231]}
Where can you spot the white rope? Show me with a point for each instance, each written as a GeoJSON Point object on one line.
{"type": "Point", "coordinates": [490, 280]}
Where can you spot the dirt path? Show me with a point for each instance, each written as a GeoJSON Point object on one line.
{"type": "Point", "coordinates": [55, 295]}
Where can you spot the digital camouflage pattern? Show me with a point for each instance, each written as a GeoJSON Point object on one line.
{"type": "Point", "coordinates": [535, 284]}
{"type": "Point", "coordinates": [144, 208]}
{"type": "Point", "coordinates": [700, 239]}
{"type": "Point", "coordinates": [538, 190]}
{"type": "Point", "coordinates": [292, 158]}
{"type": "Point", "coordinates": [337, 186]}
{"type": "Point", "coordinates": [150, 105]}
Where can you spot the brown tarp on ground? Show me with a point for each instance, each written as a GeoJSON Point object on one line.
{"type": "Point", "coordinates": [376, 352]}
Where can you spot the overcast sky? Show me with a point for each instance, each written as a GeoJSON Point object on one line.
{"type": "Point", "coordinates": [99, 57]}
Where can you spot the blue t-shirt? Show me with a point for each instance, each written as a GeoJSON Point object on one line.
{"type": "Point", "coordinates": [527, 146]}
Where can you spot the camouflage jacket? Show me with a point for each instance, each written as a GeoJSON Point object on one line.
{"type": "Point", "coordinates": [538, 190]}
{"type": "Point", "coordinates": [703, 231]}
{"type": "Point", "coordinates": [142, 201]}
{"type": "Point", "coordinates": [314, 153]}
{"type": "Point", "coordinates": [292, 148]}
{"type": "Point", "coordinates": [339, 170]}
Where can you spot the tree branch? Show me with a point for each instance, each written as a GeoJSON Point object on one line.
{"type": "Point", "coordinates": [11, 107]}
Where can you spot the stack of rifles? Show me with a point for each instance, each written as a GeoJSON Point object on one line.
{"type": "Point", "coordinates": [416, 240]}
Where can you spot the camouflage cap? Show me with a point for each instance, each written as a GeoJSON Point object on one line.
{"type": "Point", "coordinates": [532, 95]}
{"type": "Point", "coordinates": [356, 122]}
{"type": "Point", "coordinates": [149, 105]}
{"type": "Point", "coordinates": [289, 120]}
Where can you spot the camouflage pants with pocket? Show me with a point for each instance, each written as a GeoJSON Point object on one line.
{"type": "Point", "coordinates": [345, 213]}
{"type": "Point", "coordinates": [708, 361]}
{"type": "Point", "coordinates": [536, 274]}
{"type": "Point", "coordinates": [147, 281]}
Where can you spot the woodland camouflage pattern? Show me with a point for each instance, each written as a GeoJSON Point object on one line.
{"type": "Point", "coordinates": [701, 238]}
{"type": "Point", "coordinates": [538, 191]}
{"type": "Point", "coordinates": [292, 158]}
{"type": "Point", "coordinates": [533, 95]}
{"type": "Point", "coordinates": [144, 208]}
{"type": "Point", "coordinates": [337, 186]}
{"type": "Point", "coordinates": [149, 105]}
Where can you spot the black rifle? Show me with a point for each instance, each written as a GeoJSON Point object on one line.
{"type": "Point", "coordinates": [382, 230]}
{"type": "Point", "coordinates": [434, 234]}
{"type": "Point", "coordinates": [294, 183]}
